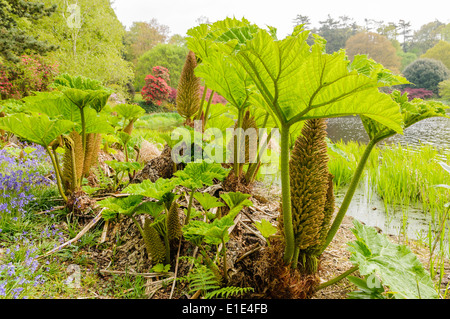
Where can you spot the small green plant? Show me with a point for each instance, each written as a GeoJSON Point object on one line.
{"type": "Point", "coordinates": [397, 267]}
{"type": "Point", "coordinates": [367, 290]}
{"type": "Point", "coordinates": [204, 281]}
{"type": "Point", "coordinates": [266, 229]}
{"type": "Point", "coordinates": [216, 233]}
{"type": "Point", "coordinates": [197, 175]}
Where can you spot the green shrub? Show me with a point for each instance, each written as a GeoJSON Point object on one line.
{"type": "Point", "coordinates": [426, 74]}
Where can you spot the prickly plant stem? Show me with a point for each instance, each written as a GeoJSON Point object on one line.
{"type": "Point", "coordinates": [83, 139]}
{"type": "Point", "coordinates": [237, 146]}
{"type": "Point", "coordinates": [224, 252]}
{"type": "Point", "coordinates": [338, 278]}
{"type": "Point", "coordinates": [286, 196]}
{"type": "Point", "coordinates": [199, 114]}
{"type": "Point", "coordinates": [188, 214]}
{"type": "Point", "coordinates": [57, 173]}
{"type": "Point", "coordinates": [208, 106]}
{"type": "Point", "coordinates": [349, 195]}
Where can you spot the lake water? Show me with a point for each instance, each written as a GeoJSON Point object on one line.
{"type": "Point", "coordinates": [366, 205]}
{"type": "Point", "coordinates": [434, 131]}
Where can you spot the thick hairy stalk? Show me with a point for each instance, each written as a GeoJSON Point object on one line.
{"type": "Point", "coordinates": [224, 266]}
{"type": "Point", "coordinates": [208, 107]}
{"type": "Point", "coordinates": [309, 183]}
{"type": "Point", "coordinates": [188, 213]}
{"type": "Point", "coordinates": [242, 145]}
{"type": "Point", "coordinates": [58, 174]}
{"type": "Point", "coordinates": [173, 222]}
{"type": "Point", "coordinates": [349, 195]}
{"type": "Point", "coordinates": [254, 167]}
{"type": "Point", "coordinates": [155, 246]}
{"type": "Point", "coordinates": [286, 196]}
{"type": "Point", "coordinates": [338, 278]}
{"type": "Point", "coordinates": [202, 101]}
{"type": "Point", "coordinates": [188, 93]}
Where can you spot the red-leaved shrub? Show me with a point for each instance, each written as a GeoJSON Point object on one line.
{"type": "Point", "coordinates": [156, 90]}
{"type": "Point", "coordinates": [418, 93]}
{"type": "Point", "coordinates": [32, 73]}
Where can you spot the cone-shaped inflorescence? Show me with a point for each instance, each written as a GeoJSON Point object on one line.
{"type": "Point", "coordinates": [154, 244]}
{"type": "Point", "coordinates": [73, 161]}
{"type": "Point", "coordinates": [93, 144]}
{"type": "Point", "coordinates": [173, 222]}
{"type": "Point", "coordinates": [188, 91]}
{"type": "Point", "coordinates": [310, 256]}
{"type": "Point", "coordinates": [308, 169]}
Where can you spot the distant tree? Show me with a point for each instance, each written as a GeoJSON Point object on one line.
{"type": "Point", "coordinates": [441, 52]}
{"type": "Point", "coordinates": [336, 32]}
{"type": "Point", "coordinates": [406, 58]}
{"type": "Point", "coordinates": [389, 30]}
{"type": "Point", "coordinates": [93, 48]}
{"type": "Point", "coordinates": [14, 39]}
{"type": "Point", "coordinates": [177, 39]}
{"type": "Point", "coordinates": [169, 56]}
{"type": "Point", "coordinates": [377, 47]}
{"type": "Point", "coordinates": [301, 19]}
{"type": "Point", "coordinates": [405, 30]}
{"type": "Point", "coordinates": [444, 89]}
{"type": "Point", "coordinates": [444, 32]}
{"type": "Point", "coordinates": [143, 36]}
{"type": "Point", "coordinates": [426, 73]}
{"type": "Point", "coordinates": [426, 37]}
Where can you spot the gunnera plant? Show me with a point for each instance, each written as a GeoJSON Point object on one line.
{"type": "Point", "coordinates": [312, 197]}
{"type": "Point", "coordinates": [188, 91]}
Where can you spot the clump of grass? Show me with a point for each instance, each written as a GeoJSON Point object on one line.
{"type": "Point", "coordinates": [407, 176]}
{"type": "Point", "coordinates": [343, 167]}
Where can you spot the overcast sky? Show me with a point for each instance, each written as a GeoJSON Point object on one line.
{"type": "Point", "coordinates": [180, 15]}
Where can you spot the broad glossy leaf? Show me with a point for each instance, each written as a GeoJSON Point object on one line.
{"type": "Point", "coordinates": [396, 265]}
{"type": "Point", "coordinates": [54, 104]}
{"type": "Point", "coordinates": [411, 112]}
{"type": "Point", "coordinates": [126, 206]}
{"type": "Point", "coordinates": [296, 83]}
{"type": "Point", "coordinates": [153, 190]}
{"type": "Point", "coordinates": [236, 201]}
{"type": "Point", "coordinates": [227, 77]}
{"type": "Point", "coordinates": [119, 166]}
{"type": "Point", "coordinates": [196, 175]}
{"type": "Point", "coordinates": [200, 37]}
{"type": "Point", "coordinates": [129, 111]}
{"type": "Point", "coordinates": [38, 129]}
{"type": "Point", "coordinates": [96, 122]}
{"type": "Point", "coordinates": [83, 91]}
{"type": "Point", "coordinates": [266, 228]}
{"type": "Point", "coordinates": [208, 201]}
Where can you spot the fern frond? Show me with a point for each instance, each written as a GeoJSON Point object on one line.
{"type": "Point", "coordinates": [202, 278]}
{"type": "Point", "coordinates": [226, 292]}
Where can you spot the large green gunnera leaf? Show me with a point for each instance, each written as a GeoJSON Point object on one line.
{"type": "Point", "coordinates": [298, 82]}
{"type": "Point", "coordinates": [411, 112]}
{"type": "Point", "coordinates": [396, 265]}
{"type": "Point", "coordinates": [38, 129]}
